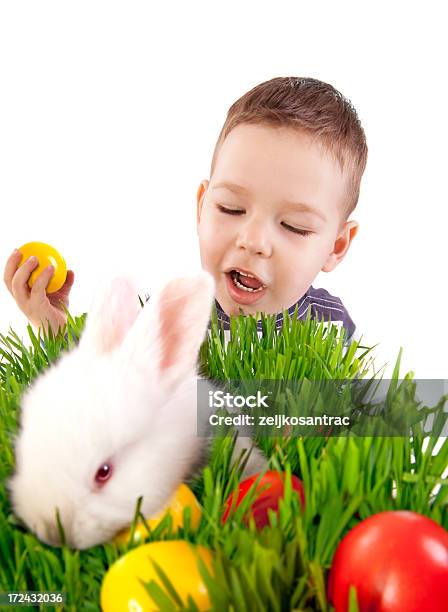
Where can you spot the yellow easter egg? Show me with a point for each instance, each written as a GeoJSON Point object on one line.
{"type": "Point", "coordinates": [46, 256]}
{"type": "Point", "coordinates": [121, 589]}
{"type": "Point", "coordinates": [182, 498]}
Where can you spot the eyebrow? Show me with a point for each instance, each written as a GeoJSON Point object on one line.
{"type": "Point", "coordinates": [239, 189]}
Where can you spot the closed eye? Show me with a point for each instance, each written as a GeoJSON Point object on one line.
{"type": "Point", "coordinates": [230, 211]}
{"type": "Point", "coordinates": [239, 211]}
{"type": "Point", "coordinates": [296, 230]}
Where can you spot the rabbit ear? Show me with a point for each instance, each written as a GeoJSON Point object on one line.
{"type": "Point", "coordinates": [166, 339]}
{"type": "Point", "coordinates": [184, 311]}
{"type": "Point", "coordinates": [114, 310]}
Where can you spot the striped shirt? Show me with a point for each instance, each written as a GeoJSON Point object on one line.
{"type": "Point", "coordinates": [321, 304]}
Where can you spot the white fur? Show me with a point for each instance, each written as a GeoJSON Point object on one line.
{"type": "Point", "coordinates": [126, 394]}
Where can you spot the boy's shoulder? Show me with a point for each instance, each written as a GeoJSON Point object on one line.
{"type": "Point", "coordinates": [324, 306]}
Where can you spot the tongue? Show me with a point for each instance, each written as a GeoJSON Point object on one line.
{"type": "Point", "coordinates": [247, 281]}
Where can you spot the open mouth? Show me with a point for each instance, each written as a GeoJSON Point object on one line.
{"type": "Point", "coordinates": [244, 287]}
{"type": "Point", "coordinates": [246, 282]}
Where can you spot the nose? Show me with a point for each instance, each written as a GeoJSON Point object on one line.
{"type": "Point", "coordinates": [253, 236]}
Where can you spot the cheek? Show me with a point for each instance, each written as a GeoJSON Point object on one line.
{"type": "Point", "coordinates": [209, 244]}
{"type": "Point", "coordinates": [304, 255]}
{"type": "Point", "coordinates": [207, 224]}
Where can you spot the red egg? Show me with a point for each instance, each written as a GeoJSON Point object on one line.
{"type": "Point", "coordinates": [273, 484]}
{"type": "Point", "coordinates": [398, 562]}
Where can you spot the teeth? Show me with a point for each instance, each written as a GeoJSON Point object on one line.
{"type": "Point", "coordinates": [245, 274]}
{"type": "Point", "coordinates": [240, 286]}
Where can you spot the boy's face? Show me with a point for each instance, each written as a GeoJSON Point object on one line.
{"type": "Point", "coordinates": [273, 209]}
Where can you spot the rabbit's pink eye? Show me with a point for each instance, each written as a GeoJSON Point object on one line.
{"type": "Point", "coordinates": [103, 473]}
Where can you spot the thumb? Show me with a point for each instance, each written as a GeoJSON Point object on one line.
{"type": "Point", "coordinates": [63, 292]}
{"type": "Point", "coordinates": [70, 279]}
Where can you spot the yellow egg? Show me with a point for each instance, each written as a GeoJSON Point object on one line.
{"type": "Point", "coordinates": [46, 256]}
{"type": "Point", "coordinates": [182, 498]}
{"type": "Point", "coordinates": [122, 591]}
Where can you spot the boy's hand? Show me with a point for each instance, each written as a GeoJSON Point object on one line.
{"type": "Point", "coordinates": [39, 308]}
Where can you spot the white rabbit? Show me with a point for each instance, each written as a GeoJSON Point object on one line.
{"type": "Point", "coordinates": [115, 417]}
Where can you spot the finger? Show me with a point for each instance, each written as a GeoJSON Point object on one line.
{"type": "Point", "coordinates": [63, 293]}
{"type": "Point", "coordinates": [20, 288]}
{"type": "Point", "coordinates": [10, 268]}
{"type": "Point", "coordinates": [38, 290]}
{"type": "Point", "coordinates": [70, 279]}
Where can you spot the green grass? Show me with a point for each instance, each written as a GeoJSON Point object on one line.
{"type": "Point", "coordinates": [285, 566]}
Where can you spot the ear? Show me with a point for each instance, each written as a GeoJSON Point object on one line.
{"type": "Point", "coordinates": [166, 338]}
{"type": "Point", "coordinates": [184, 311]}
{"type": "Point", "coordinates": [341, 245]}
{"type": "Point", "coordinates": [114, 310]}
{"type": "Point", "coordinates": [202, 190]}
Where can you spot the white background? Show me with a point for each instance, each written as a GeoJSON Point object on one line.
{"type": "Point", "coordinates": [109, 113]}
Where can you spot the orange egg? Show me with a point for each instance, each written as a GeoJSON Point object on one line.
{"type": "Point", "coordinates": [122, 590]}
{"type": "Point", "coordinates": [182, 498]}
{"type": "Point", "coordinates": [46, 256]}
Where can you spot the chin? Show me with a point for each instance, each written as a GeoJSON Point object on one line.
{"type": "Point", "coordinates": [253, 309]}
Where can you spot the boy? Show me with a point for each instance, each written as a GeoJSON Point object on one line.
{"type": "Point", "coordinates": [285, 176]}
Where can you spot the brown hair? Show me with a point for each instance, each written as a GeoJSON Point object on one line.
{"type": "Point", "coordinates": [310, 106]}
